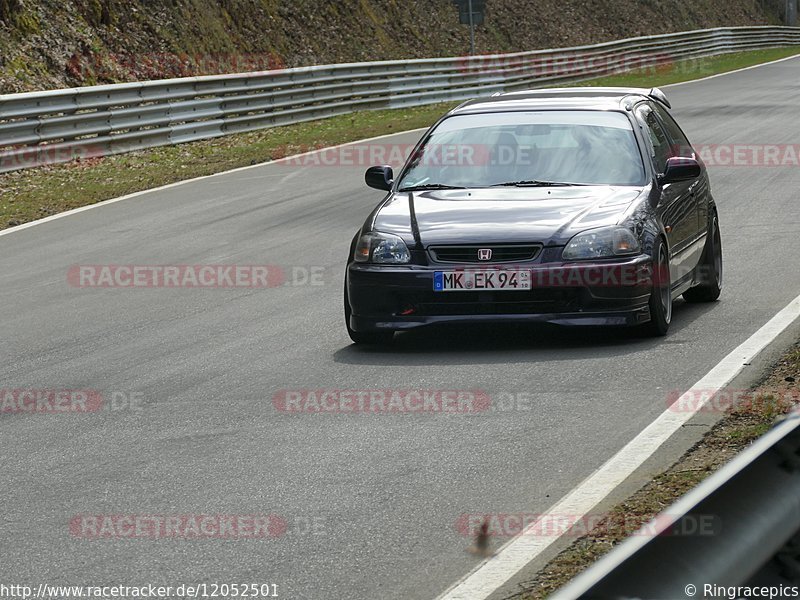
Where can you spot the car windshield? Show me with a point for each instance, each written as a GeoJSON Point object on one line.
{"type": "Point", "coordinates": [520, 149]}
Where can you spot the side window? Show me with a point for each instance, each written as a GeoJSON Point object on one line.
{"type": "Point", "coordinates": [679, 144]}
{"type": "Point", "coordinates": [658, 138]}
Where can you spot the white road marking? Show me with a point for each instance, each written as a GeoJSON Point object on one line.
{"type": "Point", "coordinates": [177, 183]}
{"type": "Point", "coordinates": [766, 64]}
{"type": "Point", "coordinates": [518, 552]}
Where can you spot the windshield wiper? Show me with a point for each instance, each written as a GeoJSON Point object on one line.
{"type": "Point", "coordinates": [536, 183]}
{"type": "Point", "coordinates": [431, 186]}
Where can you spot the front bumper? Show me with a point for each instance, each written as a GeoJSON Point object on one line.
{"type": "Point", "coordinates": [398, 297]}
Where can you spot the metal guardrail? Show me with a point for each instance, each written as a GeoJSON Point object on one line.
{"type": "Point", "coordinates": [739, 527]}
{"type": "Point", "coordinates": [61, 125]}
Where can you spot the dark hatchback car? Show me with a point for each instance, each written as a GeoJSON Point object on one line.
{"type": "Point", "coordinates": [567, 206]}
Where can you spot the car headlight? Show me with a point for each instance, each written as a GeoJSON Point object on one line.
{"type": "Point", "coordinates": [381, 248]}
{"type": "Point", "coordinates": [604, 242]}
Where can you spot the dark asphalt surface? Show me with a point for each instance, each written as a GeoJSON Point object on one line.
{"type": "Point", "coordinates": [371, 501]}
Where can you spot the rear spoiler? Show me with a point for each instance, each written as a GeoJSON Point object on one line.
{"type": "Point", "coordinates": [657, 94]}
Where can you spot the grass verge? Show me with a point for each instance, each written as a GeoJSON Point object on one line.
{"type": "Point", "coordinates": [777, 394]}
{"type": "Point", "coordinates": [36, 193]}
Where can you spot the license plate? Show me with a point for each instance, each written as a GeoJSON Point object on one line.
{"type": "Point", "coordinates": [456, 281]}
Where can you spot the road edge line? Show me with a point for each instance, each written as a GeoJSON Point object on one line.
{"type": "Point", "coordinates": [494, 572]}
{"type": "Point", "coordinates": [285, 159]}
{"type": "Point", "coordinates": [715, 75]}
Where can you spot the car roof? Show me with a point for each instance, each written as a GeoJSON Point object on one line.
{"type": "Point", "coordinates": [580, 98]}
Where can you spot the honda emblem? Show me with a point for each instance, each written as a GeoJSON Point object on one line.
{"type": "Point", "coordinates": [484, 253]}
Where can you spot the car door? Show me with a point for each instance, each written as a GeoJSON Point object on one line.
{"type": "Point", "coordinates": [699, 189]}
{"type": "Point", "coordinates": [677, 206]}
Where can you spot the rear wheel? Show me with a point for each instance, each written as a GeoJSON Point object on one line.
{"type": "Point", "coordinates": [367, 338]}
{"type": "Point", "coordinates": [710, 268]}
{"type": "Point", "coordinates": [661, 294]}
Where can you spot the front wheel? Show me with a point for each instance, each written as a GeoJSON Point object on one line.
{"type": "Point", "coordinates": [710, 268]}
{"type": "Point", "coordinates": [368, 338]}
{"type": "Point", "coordinates": [661, 294]}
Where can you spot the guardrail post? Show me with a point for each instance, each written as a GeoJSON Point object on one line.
{"type": "Point", "coordinates": [471, 30]}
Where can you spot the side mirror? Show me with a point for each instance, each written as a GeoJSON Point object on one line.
{"type": "Point", "coordinates": [379, 178]}
{"type": "Point", "coordinates": [680, 169]}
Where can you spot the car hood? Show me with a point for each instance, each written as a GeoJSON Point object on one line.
{"type": "Point", "coordinates": [547, 215]}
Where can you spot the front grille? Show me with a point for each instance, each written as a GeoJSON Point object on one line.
{"type": "Point", "coordinates": [493, 303]}
{"type": "Point", "coordinates": [471, 254]}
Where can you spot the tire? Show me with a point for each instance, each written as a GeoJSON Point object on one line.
{"type": "Point", "coordinates": [367, 338]}
{"type": "Point", "coordinates": [710, 266]}
{"type": "Point", "coordinates": [661, 294]}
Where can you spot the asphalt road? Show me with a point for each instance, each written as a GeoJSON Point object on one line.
{"type": "Point", "coordinates": [371, 501]}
